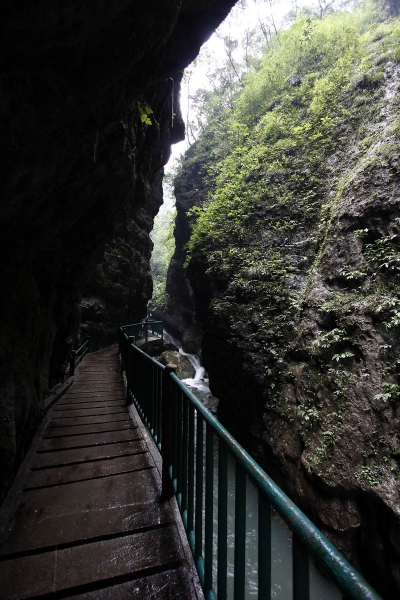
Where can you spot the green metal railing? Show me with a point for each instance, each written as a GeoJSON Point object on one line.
{"type": "Point", "coordinates": [196, 450]}
{"type": "Point", "coordinates": [144, 383]}
{"type": "Point", "coordinates": [78, 355]}
{"type": "Point", "coordinates": [142, 331]}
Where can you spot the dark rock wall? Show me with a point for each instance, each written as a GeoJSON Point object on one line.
{"type": "Point", "coordinates": [121, 285]}
{"type": "Point", "coordinates": [180, 316]}
{"type": "Point", "coordinates": [119, 290]}
{"type": "Point", "coordinates": [77, 165]}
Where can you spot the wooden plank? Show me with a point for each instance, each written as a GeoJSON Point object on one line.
{"type": "Point", "coordinates": [92, 394]}
{"type": "Point", "coordinates": [91, 420]}
{"type": "Point", "coordinates": [95, 368]}
{"type": "Point", "coordinates": [103, 367]}
{"type": "Point", "coordinates": [91, 404]}
{"type": "Point", "coordinates": [52, 432]}
{"type": "Point", "coordinates": [83, 387]}
{"type": "Point", "coordinates": [100, 401]}
{"type": "Point", "coordinates": [92, 359]}
{"type": "Point", "coordinates": [96, 384]}
{"type": "Point", "coordinates": [105, 371]}
{"type": "Point", "coordinates": [69, 568]}
{"type": "Point", "coordinates": [87, 412]}
{"type": "Point", "coordinates": [102, 373]}
{"type": "Point", "coordinates": [90, 439]}
{"type": "Point", "coordinates": [97, 381]}
{"type": "Point", "coordinates": [87, 389]}
{"type": "Point", "coordinates": [174, 584]}
{"type": "Point", "coordinates": [81, 397]}
{"type": "Point", "coordinates": [77, 455]}
{"type": "Point", "coordinates": [95, 494]}
{"type": "Point", "coordinates": [100, 391]}
{"type": "Point", "coordinates": [88, 470]}
{"type": "Point", "coordinates": [95, 399]}
{"type": "Point", "coordinates": [92, 397]}
{"type": "Point", "coordinates": [101, 379]}
{"type": "Point", "coordinates": [116, 377]}
{"type": "Point", "coordinates": [36, 530]}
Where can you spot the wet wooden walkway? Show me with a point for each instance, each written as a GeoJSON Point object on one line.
{"type": "Point", "coordinates": [84, 518]}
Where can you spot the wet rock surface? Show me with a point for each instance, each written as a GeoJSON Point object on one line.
{"type": "Point", "coordinates": [121, 285]}
{"type": "Point", "coordinates": [78, 164]}
{"type": "Point", "coordinates": [180, 316]}
{"type": "Point", "coordinates": [324, 420]}
{"type": "Point", "coordinates": [184, 368]}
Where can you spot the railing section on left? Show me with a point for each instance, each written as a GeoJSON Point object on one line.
{"type": "Point", "coordinates": [196, 451]}
{"type": "Point", "coordinates": [78, 355]}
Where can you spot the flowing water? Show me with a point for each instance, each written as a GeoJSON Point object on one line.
{"type": "Point", "coordinates": [281, 568]}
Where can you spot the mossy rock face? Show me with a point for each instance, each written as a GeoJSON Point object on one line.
{"type": "Point", "coordinates": [185, 369]}
{"type": "Point", "coordinates": [294, 274]}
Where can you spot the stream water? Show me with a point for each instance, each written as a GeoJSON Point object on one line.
{"type": "Point", "coordinates": [320, 587]}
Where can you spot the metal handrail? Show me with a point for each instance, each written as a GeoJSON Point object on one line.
{"type": "Point", "coordinates": [82, 350]}
{"type": "Point", "coordinates": [144, 384]}
{"type": "Point", "coordinates": [141, 331]}
{"type": "Point", "coordinates": [78, 355]}
{"type": "Point", "coordinates": [185, 433]}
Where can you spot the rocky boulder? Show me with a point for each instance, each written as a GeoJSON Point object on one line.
{"type": "Point", "coordinates": [184, 369]}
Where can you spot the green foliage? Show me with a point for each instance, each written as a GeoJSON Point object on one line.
{"type": "Point", "coordinates": [343, 355]}
{"type": "Point", "coordinates": [287, 118]}
{"type": "Point", "coordinates": [384, 253]}
{"type": "Point", "coordinates": [370, 476]}
{"type": "Point", "coordinates": [164, 246]}
{"type": "Point", "coordinates": [327, 339]}
{"type": "Point", "coordinates": [145, 112]}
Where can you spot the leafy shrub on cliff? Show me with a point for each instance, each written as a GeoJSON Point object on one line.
{"type": "Point", "coordinates": [289, 116]}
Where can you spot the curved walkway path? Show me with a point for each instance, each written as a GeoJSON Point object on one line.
{"type": "Point", "coordinates": [84, 518]}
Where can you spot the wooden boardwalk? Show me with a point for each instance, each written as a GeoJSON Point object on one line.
{"type": "Point", "coordinates": [84, 518]}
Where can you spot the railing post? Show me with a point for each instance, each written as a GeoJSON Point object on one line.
{"type": "Point", "coordinates": [301, 570]}
{"type": "Point", "coordinates": [121, 338]}
{"type": "Point", "coordinates": [128, 370]}
{"type": "Point", "coordinates": [72, 363]}
{"type": "Point", "coordinates": [167, 442]}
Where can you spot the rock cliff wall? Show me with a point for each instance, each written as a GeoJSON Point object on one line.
{"type": "Point", "coordinates": [297, 294]}
{"type": "Point", "coordinates": [78, 163]}
{"type": "Point", "coordinates": [180, 316]}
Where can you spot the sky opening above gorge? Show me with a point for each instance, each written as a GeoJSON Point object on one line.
{"type": "Point", "coordinates": [245, 15]}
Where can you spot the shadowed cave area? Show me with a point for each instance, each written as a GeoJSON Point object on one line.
{"type": "Point", "coordinates": [79, 167]}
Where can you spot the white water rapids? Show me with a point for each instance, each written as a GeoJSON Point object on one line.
{"type": "Point", "coordinates": [199, 383]}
